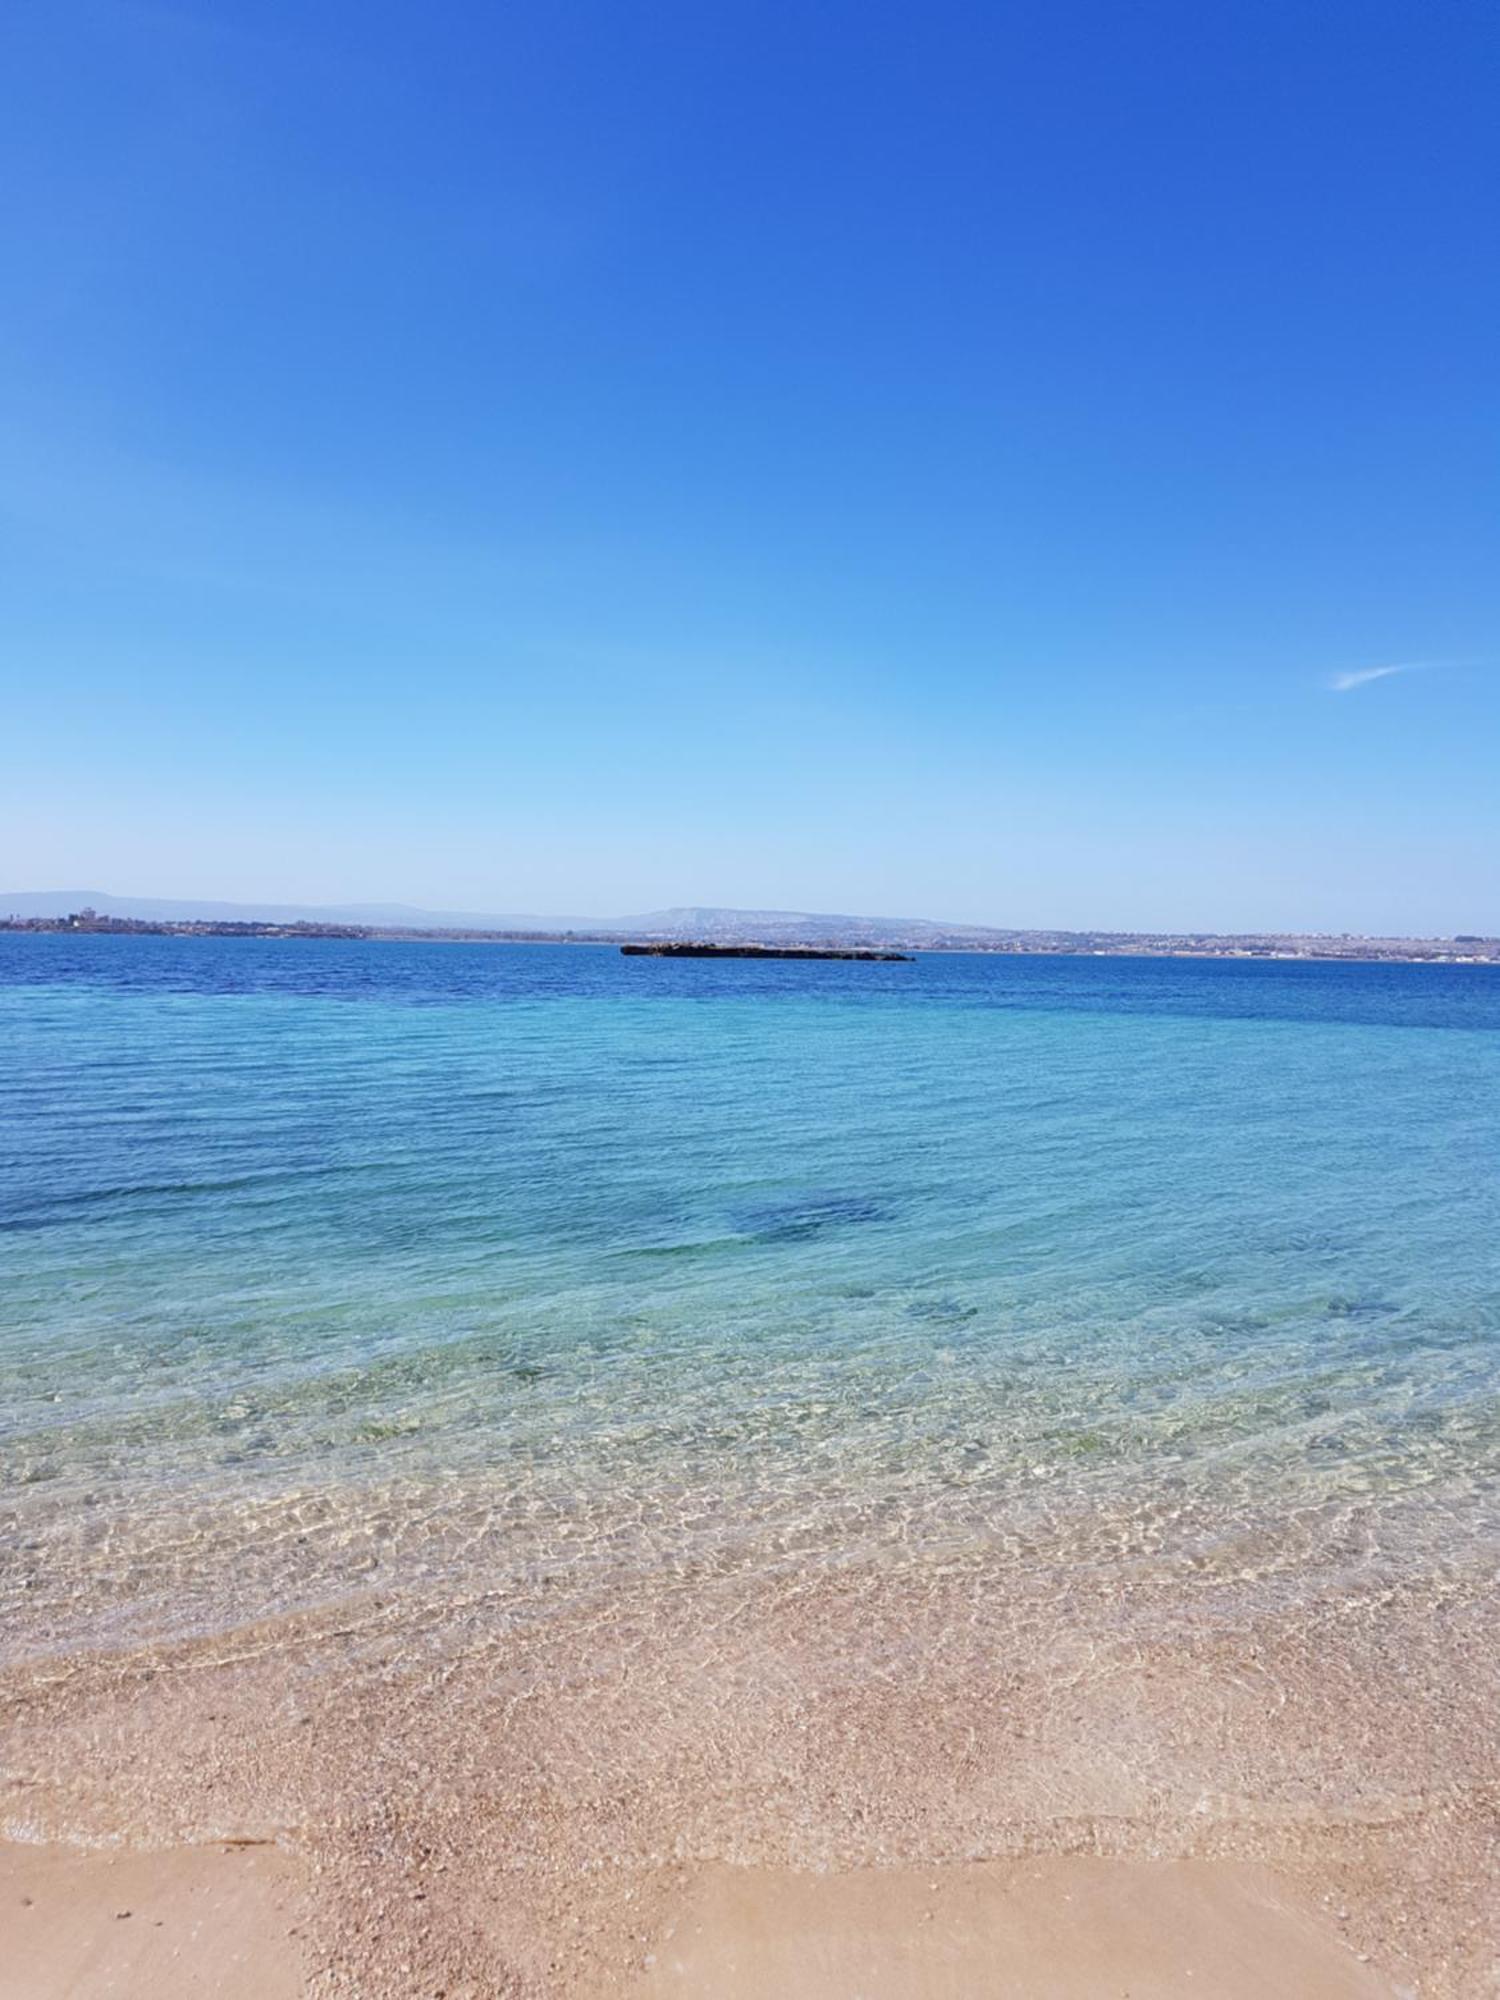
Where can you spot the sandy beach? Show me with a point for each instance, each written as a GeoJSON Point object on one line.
{"type": "Point", "coordinates": [222, 1923]}
{"type": "Point", "coordinates": [712, 1794]}
{"type": "Point", "coordinates": [749, 1001]}
{"type": "Point", "coordinates": [1068, 1928]}
{"type": "Point", "coordinates": [182, 1923]}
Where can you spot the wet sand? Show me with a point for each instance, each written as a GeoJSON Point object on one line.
{"type": "Point", "coordinates": [222, 1923]}
{"type": "Point", "coordinates": [749, 1790]}
{"type": "Point", "coordinates": [1064, 1927]}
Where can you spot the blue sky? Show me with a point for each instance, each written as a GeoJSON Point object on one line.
{"type": "Point", "coordinates": [583, 457]}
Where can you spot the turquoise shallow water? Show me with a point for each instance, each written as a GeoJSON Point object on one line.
{"type": "Point", "coordinates": [513, 1424]}
{"type": "Point", "coordinates": [336, 1261]}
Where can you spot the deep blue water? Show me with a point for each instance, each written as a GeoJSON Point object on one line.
{"type": "Point", "coordinates": [1421, 996]}
{"type": "Point", "coordinates": [1009, 1243]}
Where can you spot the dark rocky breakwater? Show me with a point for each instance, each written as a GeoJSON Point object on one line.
{"type": "Point", "coordinates": [758, 951]}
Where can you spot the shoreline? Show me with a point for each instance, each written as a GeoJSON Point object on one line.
{"type": "Point", "coordinates": [763, 1795]}
{"type": "Point", "coordinates": [226, 1922]}
{"type": "Point", "coordinates": [1252, 950]}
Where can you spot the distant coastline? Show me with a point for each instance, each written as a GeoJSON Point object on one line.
{"type": "Point", "coordinates": [727, 931]}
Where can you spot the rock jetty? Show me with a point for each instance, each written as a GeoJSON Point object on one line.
{"type": "Point", "coordinates": [758, 951]}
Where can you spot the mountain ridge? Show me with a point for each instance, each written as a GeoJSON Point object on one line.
{"type": "Point", "coordinates": [692, 923]}
{"type": "Point", "coordinates": [680, 921]}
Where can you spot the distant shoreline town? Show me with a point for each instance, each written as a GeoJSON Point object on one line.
{"type": "Point", "coordinates": [727, 929]}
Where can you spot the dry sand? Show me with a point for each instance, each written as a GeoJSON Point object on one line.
{"type": "Point", "coordinates": [221, 1923]}
{"type": "Point", "coordinates": [183, 1923]}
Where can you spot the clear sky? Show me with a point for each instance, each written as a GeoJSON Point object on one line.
{"type": "Point", "coordinates": [965, 460]}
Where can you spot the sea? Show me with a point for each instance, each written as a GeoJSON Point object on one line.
{"type": "Point", "coordinates": [596, 1410]}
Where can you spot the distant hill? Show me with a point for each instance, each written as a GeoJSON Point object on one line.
{"type": "Point", "coordinates": [795, 927]}
{"type": "Point", "coordinates": [693, 923]}
{"type": "Point", "coordinates": [688, 921]}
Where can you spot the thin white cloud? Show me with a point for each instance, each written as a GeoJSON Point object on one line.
{"type": "Point", "coordinates": [1342, 683]}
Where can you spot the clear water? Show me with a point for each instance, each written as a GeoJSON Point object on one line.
{"type": "Point", "coordinates": [328, 1263]}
